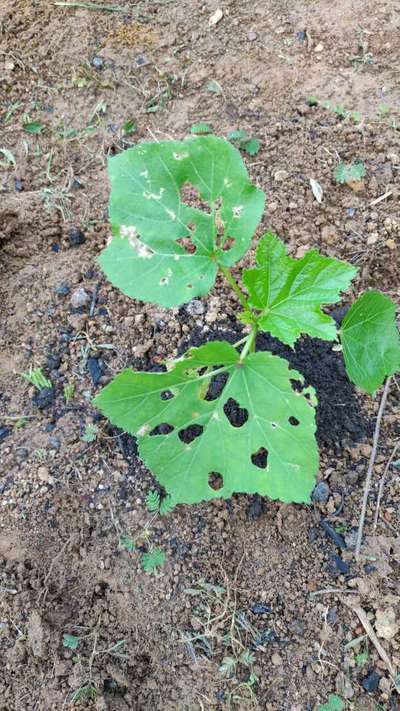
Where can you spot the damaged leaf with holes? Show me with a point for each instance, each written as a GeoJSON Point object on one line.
{"type": "Point", "coordinates": [214, 425]}
{"type": "Point", "coordinates": [179, 210]}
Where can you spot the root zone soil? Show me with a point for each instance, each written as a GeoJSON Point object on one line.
{"type": "Point", "coordinates": [276, 582]}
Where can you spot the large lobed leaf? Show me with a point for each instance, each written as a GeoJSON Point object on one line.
{"type": "Point", "coordinates": [370, 340]}
{"type": "Point", "coordinates": [289, 292]}
{"type": "Point", "coordinates": [279, 428]}
{"type": "Point", "coordinates": [149, 215]}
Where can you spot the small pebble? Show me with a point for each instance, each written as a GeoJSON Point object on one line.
{"type": "Point", "coordinates": [260, 609]}
{"type": "Point", "coordinates": [95, 369]}
{"type": "Point", "coordinates": [195, 308]}
{"type": "Point", "coordinates": [44, 398]}
{"type": "Point", "coordinates": [76, 237]}
{"type": "Point", "coordinates": [276, 660]}
{"type": "Point", "coordinates": [332, 534]}
{"type": "Point", "coordinates": [62, 290]}
{"type": "Point", "coordinates": [280, 176]}
{"type": "Point", "coordinates": [371, 682]}
{"type": "Point", "coordinates": [98, 62]}
{"type": "Point", "coordinates": [252, 36]}
{"type": "Point", "coordinates": [301, 36]}
{"type": "Point", "coordinates": [337, 566]}
{"type": "Point", "coordinates": [54, 442]}
{"type": "Point", "coordinates": [79, 298]}
{"type": "Point", "coordinates": [19, 185]}
{"type": "Point", "coordinates": [53, 361]}
{"type": "Point", "coordinates": [319, 47]}
{"type": "Point", "coordinates": [321, 493]}
{"type": "Point", "coordinates": [4, 432]}
{"type": "Point", "coordinates": [55, 247]}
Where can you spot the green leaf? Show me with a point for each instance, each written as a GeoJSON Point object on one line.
{"type": "Point", "coordinates": [149, 214]}
{"type": "Point", "coordinates": [33, 127]}
{"type": "Point", "coordinates": [312, 101]}
{"type": "Point", "coordinates": [166, 505]}
{"type": "Point", "coordinates": [214, 87]}
{"type": "Point", "coordinates": [90, 433]}
{"type": "Point", "coordinates": [129, 127]}
{"type": "Point", "coordinates": [70, 641]}
{"type": "Point", "coordinates": [127, 543]}
{"type": "Point", "coordinates": [334, 703]}
{"type": "Point", "coordinates": [289, 292]}
{"type": "Point", "coordinates": [201, 127]}
{"type": "Point", "coordinates": [361, 659]}
{"type": "Point", "coordinates": [252, 146]}
{"type": "Point", "coordinates": [370, 340]}
{"type": "Point", "coordinates": [37, 378]}
{"type": "Point", "coordinates": [237, 136]}
{"type": "Point", "coordinates": [153, 500]}
{"type": "Point", "coordinates": [202, 450]}
{"type": "Point", "coordinates": [154, 559]}
{"type": "Point", "coordinates": [347, 173]}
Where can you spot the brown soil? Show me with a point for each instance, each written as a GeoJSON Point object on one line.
{"type": "Point", "coordinates": [66, 502]}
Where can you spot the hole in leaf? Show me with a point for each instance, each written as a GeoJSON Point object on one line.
{"type": "Point", "coordinates": [216, 386]}
{"type": "Point", "coordinates": [294, 421]}
{"type": "Point", "coordinates": [260, 458]}
{"type": "Point", "coordinates": [297, 385]}
{"type": "Point", "coordinates": [191, 197]}
{"type": "Point", "coordinates": [190, 433]}
{"type": "Point", "coordinates": [187, 244]}
{"type": "Point", "coordinates": [166, 395]}
{"type": "Point", "coordinates": [228, 244]}
{"type": "Point", "coordinates": [190, 286]}
{"type": "Point", "coordinates": [273, 425]}
{"type": "Point", "coordinates": [162, 429]}
{"type": "Point", "coordinates": [236, 415]}
{"type": "Point", "coordinates": [215, 480]}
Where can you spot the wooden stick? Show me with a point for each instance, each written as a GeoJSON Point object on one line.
{"type": "Point", "coordinates": [371, 467]}
{"type": "Point", "coordinates": [362, 616]}
{"type": "Point", "coordinates": [382, 483]}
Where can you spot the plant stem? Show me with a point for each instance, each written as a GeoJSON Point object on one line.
{"type": "Point", "coordinates": [235, 286]}
{"type": "Point", "coordinates": [249, 346]}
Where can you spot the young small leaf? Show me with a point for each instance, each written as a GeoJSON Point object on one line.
{"type": "Point", "coordinates": [200, 128]}
{"type": "Point", "coordinates": [90, 433]}
{"type": "Point", "coordinates": [334, 703]}
{"type": "Point", "coordinates": [290, 292]}
{"type": "Point", "coordinates": [166, 505]}
{"type": "Point", "coordinates": [153, 500]}
{"type": "Point", "coordinates": [252, 146]}
{"type": "Point", "coordinates": [70, 641]}
{"type": "Point", "coordinates": [33, 127]}
{"type": "Point", "coordinates": [127, 543]}
{"type": "Point", "coordinates": [370, 340]}
{"type": "Point", "coordinates": [153, 560]}
{"type": "Point", "coordinates": [270, 449]}
{"type": "Point", "coordinates": [129, 127]}
{"type": "Point", "coordinates": [228, 666]}
{"type": "Point", "coordinates": [237, 136]}
{"type": "Point", "coordinates": [37, 378]}
{"type": "Point", "coordinates": [149, 215]}
{"type": "Point", "coordinates": [349, 173]}
{"type": "Point", "coordinates": [361, 659]}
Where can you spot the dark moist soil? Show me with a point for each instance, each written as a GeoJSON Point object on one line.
{"type": "Point", "coordinates": [246, 575]}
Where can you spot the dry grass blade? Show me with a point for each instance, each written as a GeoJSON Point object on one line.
{"type": "Point", "coordinates": [371, 467]}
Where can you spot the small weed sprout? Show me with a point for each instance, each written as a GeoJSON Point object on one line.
{"type": "Point", "coordinates": [37, 378]}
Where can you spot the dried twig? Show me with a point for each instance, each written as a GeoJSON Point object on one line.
{"type": "Point", "coordinates": [380, 198]}
{"type": "Point", "coordinates": [371, 467]}
{"type": "Point", "coordinates": [362, 616]}
{"type": "Point", "coordinates": [382, 482]}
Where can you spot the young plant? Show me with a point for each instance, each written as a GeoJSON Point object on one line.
{"type": "Point", "coordinates": [221, 420]}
